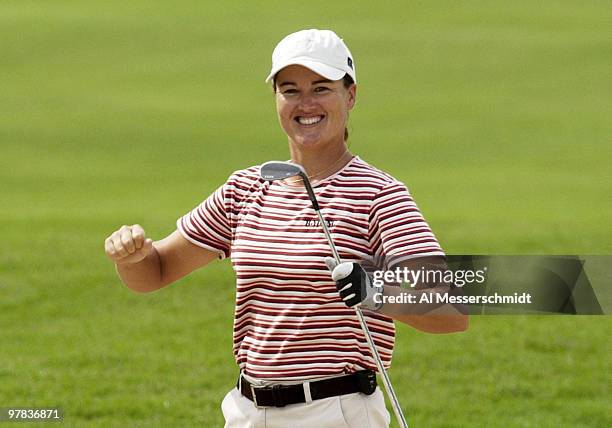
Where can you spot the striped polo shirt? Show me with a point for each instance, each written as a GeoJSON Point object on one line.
{"type": "Point", "coordinates": [289, 321]}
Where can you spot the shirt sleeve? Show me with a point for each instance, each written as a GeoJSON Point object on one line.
{"type": "Point", "coordinates": [397, 228]}
{"type": "Point", "coordinates": [208, 225]}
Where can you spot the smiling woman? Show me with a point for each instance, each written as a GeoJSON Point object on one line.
{"type": "Point", "coordinates": [286, 88]}
{"type": "Point", "coordinates": [313, 112]}
{"type": "Point", "coordinates": [314, 80]}
{"type": "Point", "coordinates": [298, 341]}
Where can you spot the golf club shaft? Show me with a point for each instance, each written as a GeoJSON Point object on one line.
{"type": "Point", "coordinates": [328, 236]}
{"type": "Point", "coordinates": [379, 364]}
{"type": "Point", "coordinates": [383, 373]}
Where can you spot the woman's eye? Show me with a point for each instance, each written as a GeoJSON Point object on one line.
{"type": "Point", "coordinates": [290, 91]}
{"type": "Point", "coordinates": [321, 89]}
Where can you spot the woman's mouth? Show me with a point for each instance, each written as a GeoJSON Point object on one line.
{"type": "Point", "coordinates": [309, 120]}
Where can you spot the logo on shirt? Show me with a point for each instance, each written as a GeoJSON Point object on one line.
{"type": "Point", "coordinates": [317, 223]}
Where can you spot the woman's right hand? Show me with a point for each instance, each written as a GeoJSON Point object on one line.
{"type": "Point", "coordinates": [128, 245]}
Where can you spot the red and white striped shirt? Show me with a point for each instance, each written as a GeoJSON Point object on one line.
{"type": "Point", "coordinates": [290, 322]}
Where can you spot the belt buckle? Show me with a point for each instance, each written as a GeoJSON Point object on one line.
{"type": "Point", "coordinates": [254, 396]}
{"type": "Point", "coordinates": [276, 396]}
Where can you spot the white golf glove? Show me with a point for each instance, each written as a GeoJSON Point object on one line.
{"type": "Point", "coordinates": [354, 284]}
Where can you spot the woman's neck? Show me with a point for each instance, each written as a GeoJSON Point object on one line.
{"type": "Point", "coordinates": [322, 163]}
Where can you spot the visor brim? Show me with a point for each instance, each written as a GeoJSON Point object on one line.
{"type": "Point", "coordinates": [324, 70]}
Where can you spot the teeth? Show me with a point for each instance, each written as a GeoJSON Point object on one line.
{"type": "Point", "coordinates": [309, 120]}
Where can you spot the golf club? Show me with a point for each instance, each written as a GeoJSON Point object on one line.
{"type": "Point", "coordinates": [276, 170]}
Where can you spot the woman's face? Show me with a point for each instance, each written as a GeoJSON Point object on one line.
{"type": "Point", "coordinates": [312, 110]}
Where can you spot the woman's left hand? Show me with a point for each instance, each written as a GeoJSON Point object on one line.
{"type": "Point", "coordinates": [354, 285]}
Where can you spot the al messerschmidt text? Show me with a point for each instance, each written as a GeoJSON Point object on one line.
{"type": "Point", "coordinates": [494, 299]}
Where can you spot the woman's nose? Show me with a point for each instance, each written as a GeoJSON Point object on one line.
{"type": "Point", "coordinates": [306, 100]}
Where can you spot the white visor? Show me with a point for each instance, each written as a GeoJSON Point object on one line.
{"type": "Point", "coordinates": [321, 51]}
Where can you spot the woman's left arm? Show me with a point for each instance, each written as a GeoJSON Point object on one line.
{"type": "Point", "coordinates": [415, 305]}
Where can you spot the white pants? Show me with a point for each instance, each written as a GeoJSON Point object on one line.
{"type": "Point", "coordinates": [344, 411]}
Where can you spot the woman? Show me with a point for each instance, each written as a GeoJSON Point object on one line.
{"type": "Point", "coordinates": [302, 356]}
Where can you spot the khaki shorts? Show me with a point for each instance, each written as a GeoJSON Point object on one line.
{"type": "Point", "coordinates": [345, 411]}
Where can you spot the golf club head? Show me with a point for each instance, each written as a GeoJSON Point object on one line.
{"type": "Point", "coordinates": [277, 170]}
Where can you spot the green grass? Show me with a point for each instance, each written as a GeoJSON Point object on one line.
{"type": "Point", "coordinates": [496, 115]}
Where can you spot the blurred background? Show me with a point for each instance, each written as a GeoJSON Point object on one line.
{"type": "Point", "coordinates": [496, 115]}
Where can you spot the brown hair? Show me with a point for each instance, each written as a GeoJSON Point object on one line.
{"type": "Point", "coordinates": [347, 80]}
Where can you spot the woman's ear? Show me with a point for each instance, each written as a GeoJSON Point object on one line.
{"type": "Point", "coordinates": [352, 96]}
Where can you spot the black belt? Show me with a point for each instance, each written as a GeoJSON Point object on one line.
{"type": "Point", "coordinates": [283, 395]}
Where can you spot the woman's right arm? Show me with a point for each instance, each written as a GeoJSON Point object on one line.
{"type": "Point", "coordinates": [145, 266]}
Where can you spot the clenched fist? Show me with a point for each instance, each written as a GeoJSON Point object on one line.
{"type": "Point", "coordinates": [128, 245]}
